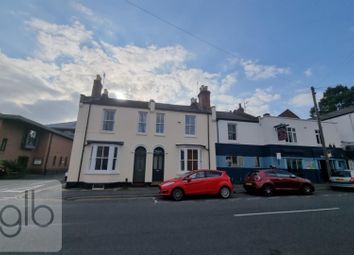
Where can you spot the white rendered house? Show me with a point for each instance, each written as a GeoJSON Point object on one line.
{"type": "Point", "coordinates": [124, 141]}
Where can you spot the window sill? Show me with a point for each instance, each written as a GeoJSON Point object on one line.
{"type": "Point", "coordinates": [102, 172]}
{"type": "Point", "coordinates": [158, 134]}
{"type": "Point", "coordinates": [107, 132]}
{"type": "Point", "coordinates": [190, 136]}
{"type": "Point", "coordinates": [141, 133]}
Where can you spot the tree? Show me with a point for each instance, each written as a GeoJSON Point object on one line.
{"type": "Point", "coordinates": [335, 99]}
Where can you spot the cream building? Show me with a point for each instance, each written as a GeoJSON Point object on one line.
{"type": "Point", "coordinates": [124, 141]}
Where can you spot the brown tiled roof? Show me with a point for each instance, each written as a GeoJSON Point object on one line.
{"type": "Point", "coordinates": [288, 114]}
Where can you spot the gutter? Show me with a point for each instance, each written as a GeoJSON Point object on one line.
{"type": "Point", "coordinates": [83, 144]}
{"type": "Point", "coordinates": [46, 158]}
{"type": "Point", "coordinates": [208, 143]}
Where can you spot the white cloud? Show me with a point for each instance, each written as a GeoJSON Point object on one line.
{"type": "Point", "coordinates": [82, 8]}
{"type": "Point", "coordinates": [308, 72]}
{"type": "Point", "coordinates": [67, 58]}
{"type": "Point", "coordinates": [255, 71]}
{"type": "Point", "coordinates": [304, 99]}
{"type": "Point", "coordinates": [97, 20]}
{"type": "Point", "coordinates": [256, 104]}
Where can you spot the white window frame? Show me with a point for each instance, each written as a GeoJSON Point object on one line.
{"type": "Point", "coordinates": [141, 121]}
{"type": "Point", "coordinates": [160, 123]}
{"type": "Point", "coordinates": [291, 136]}
{"type": "Point", "coordinates": [188, 127]}
{"type": "Point", "coordinates": [229, 124]}
{"type": "Point", "coordinates": [235, 161]}
{"type": "Point", "coordinates": [104, 120]}
{"type": "Point", "coordinates": [184, 162]}
{"type": "Point", "coordinates": [111, 158]}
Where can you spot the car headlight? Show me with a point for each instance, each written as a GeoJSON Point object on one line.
{"type": "Point", "coordinates": [167, 184]}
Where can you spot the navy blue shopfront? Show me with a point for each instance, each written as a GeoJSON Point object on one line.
{"type": "Point", "coordinates": [304, 161]}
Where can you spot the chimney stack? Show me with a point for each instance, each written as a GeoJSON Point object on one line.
{"type": "Point", "coordinates": [204, 97]}
{"type": "Point", "coordinates": [97, 87]}
{"type": "Point", "coordinates": [240, 108]}
{"type": "Point", "coordinates": [105, 94]}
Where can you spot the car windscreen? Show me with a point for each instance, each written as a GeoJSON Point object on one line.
{"type": "Point", "coordinates": [341, 174]}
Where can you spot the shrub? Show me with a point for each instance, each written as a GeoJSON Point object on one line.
{"type": "Point", "coordinates": [11, 167]}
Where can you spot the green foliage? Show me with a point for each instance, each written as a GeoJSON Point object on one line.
{"type": "Point", "coordinates": [12, 168]}
{"type": "Point", "coordinates": [334, 99]}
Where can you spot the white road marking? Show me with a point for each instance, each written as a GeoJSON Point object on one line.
{"type": "Point", "coordinates": [286, 212]}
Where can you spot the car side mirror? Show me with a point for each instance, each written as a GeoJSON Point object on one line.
{"type": "Point", "coordinates": [188, 179]}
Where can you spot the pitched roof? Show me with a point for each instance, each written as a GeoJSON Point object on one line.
{"type": "Point", "coordinates": [288, 114]}
{"type": "Point", "coordinates": [143, 104]}
{"type": "Point", "coordinates": [338, 113]}
{"type": "Point", "coordinates": [63, 125]}
{"type": "Point", "coordinates": [31, 122]}
{"type": "Point", "coordinates": [236, 115]}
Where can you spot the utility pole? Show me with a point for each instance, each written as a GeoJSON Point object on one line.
{"type": "Point", "coordinates": [321, 132]}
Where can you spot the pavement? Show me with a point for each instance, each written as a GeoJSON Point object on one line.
{"type": "Point", "coordinates": [146, 191]}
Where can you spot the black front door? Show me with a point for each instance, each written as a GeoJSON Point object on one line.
{"type": "Point", "coordinates": [139, 165]}
{"type": "Point", "coordinates": [158, 165]}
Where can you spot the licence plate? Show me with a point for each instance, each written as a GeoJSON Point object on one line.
{"type": "Point", "coordinates": [248, 184]}
{"type": "Point", "coordinates": [340, 179]}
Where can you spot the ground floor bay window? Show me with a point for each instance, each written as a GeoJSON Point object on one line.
{"type": "Point", "coordinates": [190, 159]}
{"type": "Point", "coordinates": [104, 158]}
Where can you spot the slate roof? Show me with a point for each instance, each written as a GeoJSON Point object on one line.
{"type": "Point", "coordinates": [143, 105]}
{"type": "Point", "coordinates": [64, 125]}
{"type": "Point", "coordinates": [338, 113]}
{"type": "Point", "coordinates": [236, 115]}
{"type": "Point", "coordinates": [31, 122]}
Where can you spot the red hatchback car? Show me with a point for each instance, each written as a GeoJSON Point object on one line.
{"type": "Point", "coordinates": [271, 180]}
{"type": "Point", "coordinates": [198, 182]}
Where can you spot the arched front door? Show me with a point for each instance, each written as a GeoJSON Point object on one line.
{"type": "Point", "coordinates": [139, 165]}
{"type": "Point", "coordinates": [158, 165]}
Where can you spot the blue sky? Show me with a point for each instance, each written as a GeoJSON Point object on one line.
{"type": "Point", "coordinates": [263, 53]}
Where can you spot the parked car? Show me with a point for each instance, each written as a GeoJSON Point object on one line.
{"type": "Point", "coordinates": [342, 179]}
{"type": "Point", "coordinates": [199, 182]}
{"type": "Point", "coordinates": [270, 180]}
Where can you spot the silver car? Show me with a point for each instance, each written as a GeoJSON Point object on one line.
{"type": "Point", "coordinates": [342, 179]}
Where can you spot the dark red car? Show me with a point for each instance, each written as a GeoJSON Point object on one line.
{"type": "Point", "coordinates": [271, 180]}
{"type": "Point", "coordinates": [199, 182]}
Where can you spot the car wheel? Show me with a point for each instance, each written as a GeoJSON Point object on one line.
{"type": "Point", "coordinates": [177, 194]}
{"type": "Point", "coordinates": [268, 190]}
{"type": "Point", "coordinates": [225, 192]}
{"type": "Point", "coordinates": [307, 189]}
